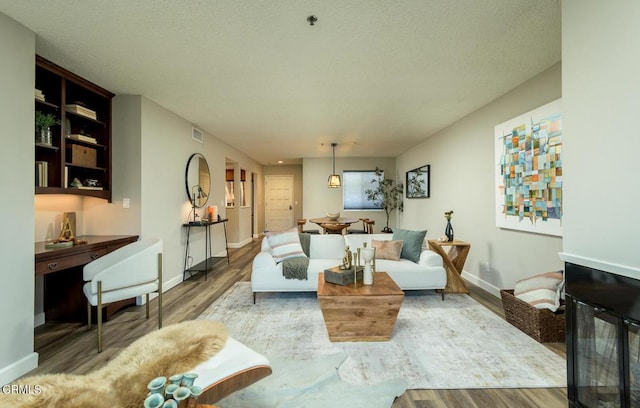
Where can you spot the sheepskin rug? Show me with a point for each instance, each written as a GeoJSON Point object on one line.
{"type": "Point", "coordinates": [123, 381]}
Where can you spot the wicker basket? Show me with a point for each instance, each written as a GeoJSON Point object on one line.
{"type": "Point", "coordinates": [541, 324]}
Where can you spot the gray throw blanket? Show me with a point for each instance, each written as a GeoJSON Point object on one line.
{"type": "Point", "coordinates": [296, 268]}
{"type": "Point", "coordinates": [305, 241]}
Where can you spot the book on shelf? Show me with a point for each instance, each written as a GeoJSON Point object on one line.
{"type": "Point", "coordinates": [66, 177]}
{"type": "Point", "coordinates": [42, 174]}
{"type": "Point", "coordinates": [83, 138]}
{"type": "Point", "coordinates": [39, 95]}
{"type": "Point", "coordinates": [81, 110]}
{"type": "Point", "coordinates": [90, 188]}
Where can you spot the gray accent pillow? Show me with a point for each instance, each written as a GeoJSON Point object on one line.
{"type": "Point", "coordinates": [412, 246]}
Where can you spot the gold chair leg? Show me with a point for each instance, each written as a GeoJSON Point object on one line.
{"type": "Point", "coordinates": [88, 316]}
{"type": "Point", "coordinates": [147, 304]}
{"type": "Point", "coordinates": [99, 311]}
{"type": "Point", "coordinates": [160, 291]}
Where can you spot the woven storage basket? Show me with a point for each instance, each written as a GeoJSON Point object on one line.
{"type": "Point", "coordinates": [541, 324]}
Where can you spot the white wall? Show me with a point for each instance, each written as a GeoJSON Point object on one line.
{"type": "Point", "coordinates": [462, 179]}
{"type": "Point", "coordinates": [600, 86]}
{"type": "Point", "coordinates": [100, 217]}
{"type": "Point", "coordinates": [17, 49]}
{"type": "Point", "coordinates": [318, 199]}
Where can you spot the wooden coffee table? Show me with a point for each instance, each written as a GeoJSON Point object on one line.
{"type": "Point", "coordinates": [358, 312]}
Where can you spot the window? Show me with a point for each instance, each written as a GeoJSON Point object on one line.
{"type": "Point", "coordinates": [355, 183]}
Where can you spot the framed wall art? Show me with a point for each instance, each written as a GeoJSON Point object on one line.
{"type": "Point", "coordinates": [528, 171]}
{"type": "Point", "coordinates": [417, 182]}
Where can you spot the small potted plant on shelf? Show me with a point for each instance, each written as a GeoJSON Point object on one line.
{"type": "Point", "coordinates": [43, 124]}
{"type": "Point", "coordinates": [386, 194]}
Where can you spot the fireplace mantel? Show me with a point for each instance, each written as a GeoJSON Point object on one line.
{"type": "Point", "coordinates": [618, 269]}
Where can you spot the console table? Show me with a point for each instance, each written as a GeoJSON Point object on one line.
{"type": "Point", "coordinates": [209, 259]}
{"type": "Point", "coordinates": [453, 261]}
{"type": "Point", "coordinates": [62, 272]}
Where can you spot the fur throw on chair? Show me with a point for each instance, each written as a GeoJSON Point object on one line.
{"type": "Point", "coordinates": [173, 349]}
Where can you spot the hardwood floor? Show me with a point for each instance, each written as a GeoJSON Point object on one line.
{"type": "Point", "coordinates": [70, 348]}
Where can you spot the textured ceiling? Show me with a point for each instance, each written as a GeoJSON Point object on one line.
{"type": "Point", "coordinates": [375, 76]}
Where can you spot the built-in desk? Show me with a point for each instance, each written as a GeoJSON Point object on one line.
{"type": "Point", "coordinates": [62, 270]}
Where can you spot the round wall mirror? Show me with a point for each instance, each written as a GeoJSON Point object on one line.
{"type": "Point", "coordinates": [197, 180]}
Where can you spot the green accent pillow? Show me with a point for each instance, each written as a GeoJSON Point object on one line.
{"type": "Point", "coordinates": [412, 246]}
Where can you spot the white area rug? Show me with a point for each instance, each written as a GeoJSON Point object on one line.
{"type": "Point", "coordinates": [455, 343]}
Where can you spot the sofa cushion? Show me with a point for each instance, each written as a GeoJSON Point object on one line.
{"type": "Point", "coordinates": [387, 249]}
{"type": "Point", "coordinates": [356, 241]}
{"type": "Point", "coordinates": [541, 291]}
{"type": "Point", "coordinates": [413, 241]}
{"type": "Point", "coordinates": [326, 246]}
{"type": "Point", "coordinates": [285, 244]}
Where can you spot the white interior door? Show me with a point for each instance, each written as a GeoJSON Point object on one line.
{"type": "Point", "coordinates": [278, 202]}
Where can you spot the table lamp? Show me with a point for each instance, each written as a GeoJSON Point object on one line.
{"type": "Point", "coordinates": [196, 194]}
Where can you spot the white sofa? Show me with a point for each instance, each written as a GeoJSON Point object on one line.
{"type": "Point", "coordinates": [328, 250]}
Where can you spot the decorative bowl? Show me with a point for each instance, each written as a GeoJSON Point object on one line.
{"type": "Point", "coordinates": [333, 216]}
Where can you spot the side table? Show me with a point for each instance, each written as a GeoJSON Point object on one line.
{"type": "Point", "coordinates": [453, 261]}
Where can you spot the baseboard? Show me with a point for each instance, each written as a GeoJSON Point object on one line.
{"type": "Point", "coordinates": [18, 368]}
{"type": "Point", "coordinates": [481, 283]}
{"type": "Point", "coordinates": [257, 235]}
{"type": "Point", "coordinates": [173, 282]}
{"type": "Point", "coordinates": [239, 244]}
{"type": "Point", "coordinates": [38, 319]}
{"type": "Point", "coordinates": [166, 285]}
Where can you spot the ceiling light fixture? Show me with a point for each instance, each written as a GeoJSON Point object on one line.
{"type": "Point", "coordinates": [334, 179]}
{"type": "Point", "coordinates": [312, 20]}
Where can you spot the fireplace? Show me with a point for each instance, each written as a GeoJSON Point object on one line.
{"type": "Point", "coordinates": [603, 338]}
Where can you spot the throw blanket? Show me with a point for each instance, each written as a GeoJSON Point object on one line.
{"type": "Point", "coordinates": [122, 382]}
{"type": "Point", "coordinates": [305, 242]}
{"type": "Point", "coordinates": [296, 268]}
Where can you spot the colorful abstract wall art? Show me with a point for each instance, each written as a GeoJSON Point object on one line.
{"type": "Point", "coordinates": [529, 171]}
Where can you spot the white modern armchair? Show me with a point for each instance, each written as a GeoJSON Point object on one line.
{"type": "Point", "coordinates": [131, 271]}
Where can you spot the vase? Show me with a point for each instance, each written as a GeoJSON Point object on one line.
{"type": "Point", "coordinates": [367, 257]}
{"type": "Point", "coordinates": [44, 136]}
{"type": "Point", "coordinates": [448, 231]}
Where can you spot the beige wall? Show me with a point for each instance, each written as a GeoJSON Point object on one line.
{"type": "Point", "coordinates": [462, 179]}
{"type": "Point", "coordinates": [600, 86]}
{"type": "Point", "coordinates": [17, 48]}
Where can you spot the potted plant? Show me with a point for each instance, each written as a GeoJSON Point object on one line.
{"type": "Point", "coordinates": [43, 124]}
{"type": "Point", "coordinates": [385, 194]}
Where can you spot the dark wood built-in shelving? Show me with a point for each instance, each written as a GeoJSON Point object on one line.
{"type": "Point", "coordinates": [62, 88]}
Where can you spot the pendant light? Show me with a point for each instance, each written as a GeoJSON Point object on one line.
{"type": "Point", "coordinates": [334, 179]}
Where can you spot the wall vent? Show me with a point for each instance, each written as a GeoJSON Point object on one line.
{"type": "Point", "coordinates": [196, 134]}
